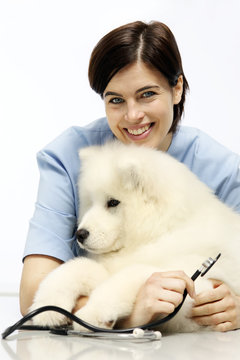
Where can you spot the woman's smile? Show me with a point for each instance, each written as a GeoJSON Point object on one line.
{"type": "Point", "coordinates": [140, 132]}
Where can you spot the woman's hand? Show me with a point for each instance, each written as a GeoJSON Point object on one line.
{"type": "Point", "coordinates": [219, 308]}
{"type": "Point", "coordinates": [159, 295]}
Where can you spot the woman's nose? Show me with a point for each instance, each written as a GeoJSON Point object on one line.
{"type": "Point", "coordinates": [134, 113]}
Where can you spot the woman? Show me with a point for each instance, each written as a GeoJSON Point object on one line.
{"type": "Point", "coordinates": [137, 70]}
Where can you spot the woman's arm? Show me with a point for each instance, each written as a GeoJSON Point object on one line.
{"type": "Point", "coordinates": [52, 227]}
{"type": "Point", "coordinates": [35, 269]}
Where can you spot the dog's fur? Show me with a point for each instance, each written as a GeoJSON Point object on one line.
{"type": "Point", "coordinates": [166, 219]}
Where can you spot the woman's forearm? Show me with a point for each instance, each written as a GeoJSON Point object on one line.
{"type": "Point", "coordinates": [35, 269]}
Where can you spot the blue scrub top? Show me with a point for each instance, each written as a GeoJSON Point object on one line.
{"type": "Point", "coordinates": [53, 225]}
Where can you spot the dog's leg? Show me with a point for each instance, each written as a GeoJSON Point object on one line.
{"type": "Point", "coordinates": [114, 298]}
{"type": "Point", "coordinates": [64, 285]}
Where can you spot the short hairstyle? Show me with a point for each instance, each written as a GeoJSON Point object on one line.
{"type": "Point", "coordinates": [152, 43]}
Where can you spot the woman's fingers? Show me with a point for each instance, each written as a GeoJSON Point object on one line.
{"type": "Point", "coordinates": [209, 308]}
{"type": "Point", "coordinates": [212, 295]}
{"type": "Point", "coordinates": [218, 308]}
{"type": "Point", "coordinates": [184, 281]}
{"type": "Point", "coordinates": [225, 326]}
{"type": "Point", "coordinates": [163, 292]}
{"type": "Point", "coordinates": [223, 321]}
{"type": "Point", "coordinates": [160, 295]}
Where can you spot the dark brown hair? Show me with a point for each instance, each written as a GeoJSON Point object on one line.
{"type": "Point", "coordinates": [152, 43]}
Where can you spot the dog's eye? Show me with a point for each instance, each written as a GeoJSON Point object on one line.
{"type": "Point", "coordinates": [113, 203]}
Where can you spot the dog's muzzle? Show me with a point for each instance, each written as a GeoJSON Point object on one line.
{"type": "Point", "coordinates": [82, 235]}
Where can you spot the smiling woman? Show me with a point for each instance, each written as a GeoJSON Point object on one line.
{"type": "Point", "coordinates": [137, 70]}
{"type": "Point", "coordinates": [139, 105]}
{"type": "Point", "coordinates": [152, 44]}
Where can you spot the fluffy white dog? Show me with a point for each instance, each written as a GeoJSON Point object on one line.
{"type": "Point", "coordinates": [141, 211]}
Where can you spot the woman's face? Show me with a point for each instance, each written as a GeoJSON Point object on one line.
{"type": "Point", "coordinates": [139, 106]}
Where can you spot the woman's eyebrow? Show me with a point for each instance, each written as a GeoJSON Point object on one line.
{"type": "Point", "coordinates": [147, 87]}
{"type": "Point", "coordinates": [109, 93]}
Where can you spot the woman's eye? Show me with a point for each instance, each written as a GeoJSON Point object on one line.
{"type": "Point", "coordinates": [148, 94]}
{"type": "Point", "coordinates": [116, 101]}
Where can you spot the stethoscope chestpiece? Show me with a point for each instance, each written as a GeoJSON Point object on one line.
{"type": "Point", "coordinates": [206, 265]}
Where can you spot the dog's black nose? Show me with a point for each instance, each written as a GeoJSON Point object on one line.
{"type": "Point", "coordinates": [82, 234]}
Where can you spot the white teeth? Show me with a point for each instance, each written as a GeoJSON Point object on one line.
{"type": "Point", "coordinates": [139, 131]}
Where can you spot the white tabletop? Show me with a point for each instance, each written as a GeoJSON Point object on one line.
{"type": "Point", "coordinates": [30, 345]}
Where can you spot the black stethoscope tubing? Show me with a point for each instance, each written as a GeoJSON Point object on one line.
{"type": "Point", "coordinates": [206, 266]}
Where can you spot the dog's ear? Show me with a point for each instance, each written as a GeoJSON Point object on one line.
{"type": "Point", "coordinates": [130, 174]}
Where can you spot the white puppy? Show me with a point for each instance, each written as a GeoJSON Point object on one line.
{"type": "Point", "coordinates": [141, 211]}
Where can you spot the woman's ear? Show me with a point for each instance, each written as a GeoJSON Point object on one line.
{"type": "Point", "coordinates": [178, 90]}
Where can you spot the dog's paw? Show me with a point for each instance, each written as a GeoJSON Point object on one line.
{"type": "Point", "coordinates": [94, 316]}
{"type": "Point", "coordinates": [51, 317]}
{"type": "Point", "coordinates": [47, 318]}
{"type": "Point", "coordinates": [51, 296]}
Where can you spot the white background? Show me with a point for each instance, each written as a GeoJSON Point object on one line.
{"type": "Point", "coordinates": [45, 46]}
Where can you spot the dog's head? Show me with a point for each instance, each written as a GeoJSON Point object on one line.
{"type": "Point", "coordinates": [105, 187]}
{"type": "Point", "coordinates": [126, 196]}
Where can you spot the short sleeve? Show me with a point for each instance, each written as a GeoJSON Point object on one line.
{"type": "Point", "coordinates": [52, 227]}
{"type": "Point", "coordinates": [211, 162]}
{"type": "Point", "coordinates": [230, 193]}
{"type": "Point", "coordinates": [218, 167]}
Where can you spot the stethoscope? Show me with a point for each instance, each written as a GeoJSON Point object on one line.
{"type": "Point", "coordinates": [142, 332]}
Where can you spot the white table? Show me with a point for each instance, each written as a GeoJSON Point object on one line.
{"type": "Point", "coordinates": [30, 345]}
